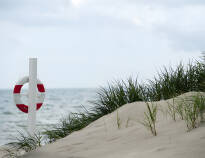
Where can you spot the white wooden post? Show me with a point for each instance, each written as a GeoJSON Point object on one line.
{"type": "Point", "coordinates": [32, 95]}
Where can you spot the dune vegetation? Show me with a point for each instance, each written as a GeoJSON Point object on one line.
{"type": "Point", "coordinates": [168, 83]}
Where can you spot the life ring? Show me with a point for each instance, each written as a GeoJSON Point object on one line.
{"type": "Point", "coordinates": [17, 94]}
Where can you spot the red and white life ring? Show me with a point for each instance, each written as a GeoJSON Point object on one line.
{"type": "Point", "coordinates": [17, 94]}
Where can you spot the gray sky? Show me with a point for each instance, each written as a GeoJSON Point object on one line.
{"type": "Point", "coordinates": [85, 43]}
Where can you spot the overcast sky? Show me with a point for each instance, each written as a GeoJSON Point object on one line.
{"type": "Point", "coordinates": [85, 43]}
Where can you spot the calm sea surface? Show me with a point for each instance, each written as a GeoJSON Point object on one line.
{"type": "Point", "coordinates": [58, 103]}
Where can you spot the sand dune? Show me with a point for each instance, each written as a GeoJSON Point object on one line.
{"type": "Point", "coordinates": [103, 139]}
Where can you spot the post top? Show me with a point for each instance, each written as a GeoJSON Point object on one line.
{"type": "Point", "coordinates": [32, 58]}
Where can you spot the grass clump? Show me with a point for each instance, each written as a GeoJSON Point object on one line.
{"type": "Point", "coordinates": [172, 82]}
{"type": "Point", "coordinates": [116, 95]}
{"type": "Point", "coordinates": [194, 109]}
{"type": "Point", "coordinates": [150, 118]}
{"type": "Point", "coordinates": [24, 142]}
{"type": "Point", "coordinates": [134, 91]}
{"type": "Point", "coordinates": [172, 109]}
{"type": "Point", "coordinates": [27, 142]}
{"type": "Point", "coordinates": [200, 101]}
{"type": "Point", "coordinates": [191, 114]}
{"type": "Point", "coordinates": [180, 109]}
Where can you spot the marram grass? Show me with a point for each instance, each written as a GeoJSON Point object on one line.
{"type": "Point", "coordinates": [172, 109]}
{"type": "Point", "coordinates": [28, 142]}
{"type": "Point", "coordinates": [171, 82]}
{"type": "Point", "coordinates": [168, 83]}
{"type": "Point", "coordinates": [194, 110]}
{"type": "Point", "coordinates": [150, 117]}
{"type": "Point", "coordinates": [180, 108]}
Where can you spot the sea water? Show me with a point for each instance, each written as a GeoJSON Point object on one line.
{"type": "Point", "coordinates": [58, 103]}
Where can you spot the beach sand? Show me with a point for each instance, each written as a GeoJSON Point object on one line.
{"type": "Point", "coordinates": [103, 139]}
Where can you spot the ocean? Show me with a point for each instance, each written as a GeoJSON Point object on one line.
{"type": "Point", "coordinates": [58, 103]}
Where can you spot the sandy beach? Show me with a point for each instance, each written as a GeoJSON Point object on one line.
{"type": "Point", "coordinates": [103, 138]}
{"type": "Point", "coordinates": [102, 79]}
